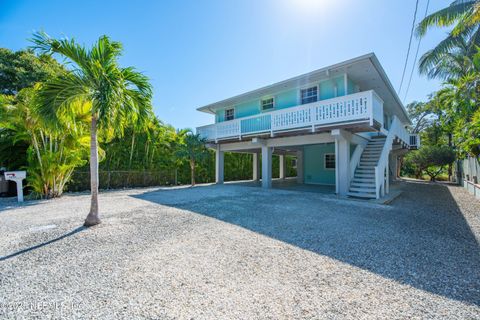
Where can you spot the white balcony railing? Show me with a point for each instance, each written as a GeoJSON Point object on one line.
{"type": "Point", "coordinates": [363, 106]}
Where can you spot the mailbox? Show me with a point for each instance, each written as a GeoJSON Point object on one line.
{"type": "Point", "coordinates": [17, 176]}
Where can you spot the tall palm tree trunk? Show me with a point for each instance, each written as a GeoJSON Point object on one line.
{"type": "Point", "coordinates": [93, 217]}
{"type": "Point", "coordinates": [192, 172]}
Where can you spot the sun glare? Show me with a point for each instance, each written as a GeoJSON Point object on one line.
{"type": "Point", "coordinates": [311, 7]}
{"type": "Point", "coordinates": [312, 4]}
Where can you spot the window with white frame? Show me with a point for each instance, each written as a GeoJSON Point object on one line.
{"type": "Point", "coordinates": [229, 114]}
{"type": "Point", "coordinates": [309, 95]}
{"type": "Point", "coordinates": [294, 163]}
{"type": "Point", "coordinates": [268, 103]}
{"type": "Point", "coordinates": [329, 161]}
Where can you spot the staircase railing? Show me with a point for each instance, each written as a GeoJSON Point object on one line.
{"type": "Point", "coordinates": [355, 158]}
{"type": "Point", "coordinates": [396, 130]}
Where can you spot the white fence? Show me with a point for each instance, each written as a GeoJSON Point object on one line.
{"type": "Point", "coordinates": [469, 171]}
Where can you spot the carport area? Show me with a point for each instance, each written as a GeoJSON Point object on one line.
{"type": "Point", "coordinates": [290, 183]}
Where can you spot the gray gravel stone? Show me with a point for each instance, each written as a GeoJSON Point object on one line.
{"type": "Point", "coordinates": [236, 252]}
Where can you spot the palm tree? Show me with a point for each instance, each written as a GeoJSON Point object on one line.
{"type": "Point", "coordinates": [192, 148]}
{"type": "Point", "coordinates": [451, 57]}
{"type": "Point", "coordinates": [113, 95]}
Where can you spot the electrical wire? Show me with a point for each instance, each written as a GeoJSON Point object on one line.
{"type": "Point", "coordinates": [416, 56]}
{"type": "Point", "coordinates": [409, 46]}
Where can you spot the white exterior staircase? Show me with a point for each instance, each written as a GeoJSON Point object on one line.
{"type": "Point", "coordinates": [363, 184]}
{"type": "Point", "coordinates": [370, 179]}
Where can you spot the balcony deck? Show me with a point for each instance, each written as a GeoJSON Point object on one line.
{"type": "Point", "coordinates": [361, 111]}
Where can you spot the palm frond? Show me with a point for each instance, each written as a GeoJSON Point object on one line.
{"type": "Point", "coordinates": [445, 17]}
{"type": "Point", "coordinates": [69, 49]}
{"type": "Point", "coordinates": [57, 96]}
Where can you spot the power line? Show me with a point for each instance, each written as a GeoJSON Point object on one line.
{"type": "Point", "coordinates": [416, 56]}
{"type": "Point", "coordinates": [409, 46]}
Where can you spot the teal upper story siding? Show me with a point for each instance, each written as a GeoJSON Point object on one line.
{"type": "Point", "coordinates": [290, 98]}
{"type": "Point", "coordinates": [286, 99]}
{"type": "Point", "coordinates": [351, 87]}
{"type": "Point", "coordinates": [332, 88]}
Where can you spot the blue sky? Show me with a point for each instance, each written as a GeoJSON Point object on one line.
{"type": "Point", "coordinates": [197, 52]}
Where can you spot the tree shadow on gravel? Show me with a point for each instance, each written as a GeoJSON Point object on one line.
{"type": "Point", "coordinates": [422, 240]}
{"type": "Point", "coordinates": [38, 246]}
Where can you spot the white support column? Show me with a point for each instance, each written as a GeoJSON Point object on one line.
{"type": "Point", "coordinates": [342, 163]}
{"type": "Point", "coordinates": [266, 167]}
{"type": "Point", "coordinates": [256, 167]}
{"type": "Point", "coordinates": [300, 166]}
{"type": "Point", "coordinates": [219, 165]}
{"type": "Point", "coordinates": [282, 166]}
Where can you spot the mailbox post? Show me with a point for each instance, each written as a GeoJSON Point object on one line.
{"type": "Point", "coordinates": [17, 176]}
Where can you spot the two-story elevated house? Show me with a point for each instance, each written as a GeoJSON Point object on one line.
{"type": "Point", "coordinates": [345, 124]}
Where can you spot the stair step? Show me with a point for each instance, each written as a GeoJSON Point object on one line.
{"type": "Point", "coordinates": [368, 182]}
{"type": "Point", "coordinates": [362, 195]}
{"type": "Point", "coordinates": [363, 179]}
{"type": "Point", "coordinates": [364, 176]}
{"type": "Point", "coordinates": [366, 171]}
{"type": "Point", "coordinates": [362, 185]}
{"type": "Point", "coordinates": [362, 189]}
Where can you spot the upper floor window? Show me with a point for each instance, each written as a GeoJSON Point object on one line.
{"type": "Point", "coordinates": [308, 95]}
{"type": "Point", "coordinates": [268, 104]}
{"type": "Point", "coordinates": [229, 114]}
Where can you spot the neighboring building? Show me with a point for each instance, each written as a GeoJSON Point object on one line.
{"type": "Point", "coordinates": [345, 125]}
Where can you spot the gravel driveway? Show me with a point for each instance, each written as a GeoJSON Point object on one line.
{"type": "Point", "coordinates": [236, 252]}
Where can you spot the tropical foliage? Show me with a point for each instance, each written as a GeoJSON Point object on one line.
{"type": "Point", "coordinates": [193, 150]}
{"type": "Point", "coordinates": [22, 69]}
{"type": "Point", "coordinates": [53, 152]}
{"type": "Point", "coordinates": [452, 56]}
{"type": "Point", "coordinates": [46, 112]}
{"type": "Point", "coordinates": [430, 160]}
{"type": "Point", "coordinates": [450, 120]}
